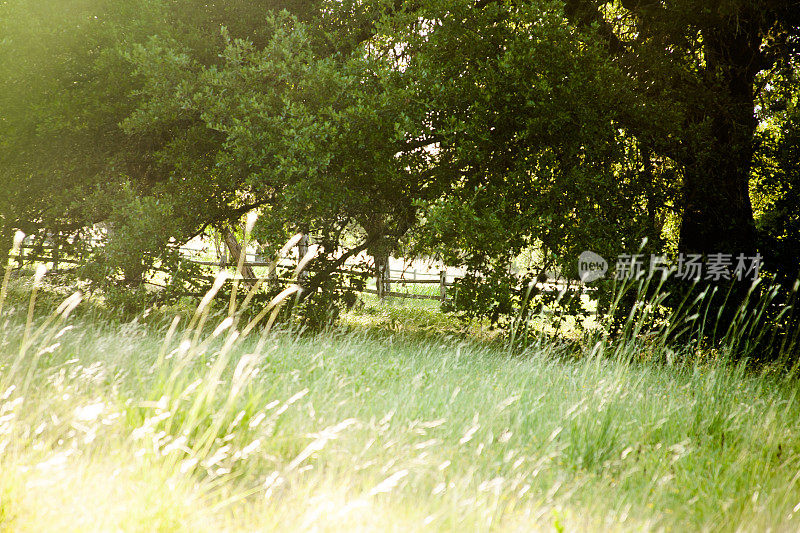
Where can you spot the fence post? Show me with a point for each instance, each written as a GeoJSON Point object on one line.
{"type": "Point", "coordinates": [378, 277]}
{"type": "Point", "coordinates": [21, 253]}
{"type": "Point", "coordinates": [272, 275]}
{"type": "Point", "coordinates": [55, 253]}
{"type": "Point", "coordinates": [443, 285]}
{"type": "Point", "coordinates": [302, 250]}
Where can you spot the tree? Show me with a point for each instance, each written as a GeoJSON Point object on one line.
{"type": "Point", "coordinates": [654, 116]}
{"type": "Point", "coordinates": [124, 125]}
{"type": "Point", "coordinates": [471, 129]}
{"type": "Point", "coordinates": [533, 151]}
{"type": "Point", "coordinates": [64, 88]}
{"type": "Point", "coordinates": [321, 142]}
{"type": "Point", "coordinates": [710, 61]}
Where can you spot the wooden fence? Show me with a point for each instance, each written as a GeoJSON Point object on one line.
{"type": "Point", "coordinates": [44, 253]}
{"type": "Point", "coordinates": [51, 254]}
{"type": "Point", "coordinates": [382, 285]}
{"type": "Point", "coordinates": [48, 253]}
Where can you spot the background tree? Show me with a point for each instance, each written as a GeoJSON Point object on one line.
{"type": "Point", "coordinates": [321, 142]}
{"type": "Point", "coordinates": [532, 148]}
{"type": "Point", "coordinates": [473, 130]}
{"type": "Point", "coordinates": [711, 62]}
{"type": "Point", "coordinates": [64, 88]}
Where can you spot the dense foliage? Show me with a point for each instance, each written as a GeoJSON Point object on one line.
{"type": "Point", "coordinates": [470, 130]}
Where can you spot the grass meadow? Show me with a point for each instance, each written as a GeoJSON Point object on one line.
{"type": "Point", "coordinates": [190, 425]}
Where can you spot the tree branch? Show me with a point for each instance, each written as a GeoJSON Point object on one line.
{"type": "Point", "coordinates": [319, 278]}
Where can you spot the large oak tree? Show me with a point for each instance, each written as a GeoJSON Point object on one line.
{"type": "Point", "coordinates": [709, 61]}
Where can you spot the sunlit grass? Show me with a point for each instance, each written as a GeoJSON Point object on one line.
{"type": "Point", "coordinates": [217, 422]}
{"type": "Point", "coordinates": [110, 427]}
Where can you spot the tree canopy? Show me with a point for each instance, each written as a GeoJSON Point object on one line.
{"type": "Point", "coordinates": [474, 130]}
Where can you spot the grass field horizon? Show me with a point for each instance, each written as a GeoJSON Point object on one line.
{"type": "Point", "coordinates": [109, 425]}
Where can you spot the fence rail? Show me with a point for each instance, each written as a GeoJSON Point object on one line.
{"type": "Point", "coordinates": [39, 253]}
{"type": "Point", "coordinates": [383, 283]}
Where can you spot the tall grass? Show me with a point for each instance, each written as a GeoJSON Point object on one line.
{"type": "Point", "coordinates": [220, 425]}
{"type": "Point", "coordinates": [642, 314]}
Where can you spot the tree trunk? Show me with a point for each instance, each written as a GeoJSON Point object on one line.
{"type": "Point", "coordinates": [6, 242]}
{"type": "Point", "coordinates": [235, 250]}
{"type": "Point", "coordinates": [381, 271]}
{"type": "Point", "coordinates": [221, 249]}
{"type": "Point", "coordinates": [717, 212]}
{"type": "Point", "coordinates": [718, 215]}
